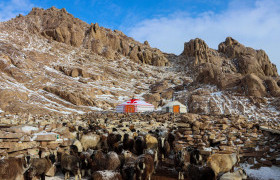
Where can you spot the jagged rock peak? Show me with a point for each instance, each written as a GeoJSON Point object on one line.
{"type": "Point", "coordinates": [39, 11]}
{"type": "Point", "coordinates": [58, 25]}
{"type": "Point", "coordinates": [197, 48]}
{"type": "Point", "coordinates": [248, 59]}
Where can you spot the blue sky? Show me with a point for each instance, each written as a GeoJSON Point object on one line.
{"type": "Point", "coordinates": [167, 24]}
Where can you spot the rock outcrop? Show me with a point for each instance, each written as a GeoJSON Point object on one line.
{"type": "Point", "coordinates": [253, 86]}
{"type": "Point", "coordinates": [232, 66]}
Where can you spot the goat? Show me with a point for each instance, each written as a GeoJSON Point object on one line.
{"type": "Point", "coordinates": [199, 173]}
{"type": "Point", "coordinates": [154, 154]}
{"type": "Point", "coordinates": [90, 141]}
{"type": "Point", "coordinates": [79, 145]}
{"type": "Point", "coordinates": [70, 163]}
{"type": "Point", "coordinates": [171, 138]}
{"type": "Point", "coordinates": [195, 157]}
{"type": "Point", "coordinates": [14, 168]}
{"type": "Point", "coordinates": [100, 161]}
{"type": "Point", "coordinates": [113, 161]}
{"type": "Point", "coordinates": [144, 167]}
{"type": "Point", "coordinates": [164, 148]}
{"type": "Point", "coordinates": [103, 144]}
{"type": "Point", "coordinates": [112, 139]}
{"type": "Point", "coordinates": [118, 147]}
{"type": "Point", "coordinates": [85, 163]}
{"type": "Point", "coordinates": [181, 157]}
{"type": "Point", "coordinates": [139, 145]}
{"type": "Point", "coordinates": [128, 143]}
{"type": "Point", "coordinates": [221, 163]}
{"type": "Point", "coordinates": [40, 166]}
{"type": "Point", "coordinates": [151, 142]}
{"type": "Point", "coordinates": [106, 175]}
{"type": "Point", "coordinates": [237, 175]}
{"type": "Point", "coordinates": [128, 169]}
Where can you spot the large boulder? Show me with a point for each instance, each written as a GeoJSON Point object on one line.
{"type": "Point", "coordinates": [152, 98]}
{"type": "Point", "coordinates": [253, 86]}
{"type": "Point", "coordinates": [272, 87]}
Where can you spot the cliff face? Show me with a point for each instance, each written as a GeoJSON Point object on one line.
{"type": "Point", "coordinates": [51, 62]}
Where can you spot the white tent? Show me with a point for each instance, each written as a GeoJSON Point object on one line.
{"type": "Point", "coordinates": [134, 105]}
{"type": "Point", "coordinates": [174, 107]}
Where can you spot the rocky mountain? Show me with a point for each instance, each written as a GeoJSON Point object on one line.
{"type": "Point", "coordinates": [52, 62]}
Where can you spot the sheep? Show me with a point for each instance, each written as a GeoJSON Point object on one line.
{"type": "Point", "coordinates": [164, 148]}
{"type": "Point", "coordinates": [199, 173]}
{"type": "Point", "coordinates": [221, 163]}
{"type": "Point", "coordinates": [106, 175]}
{"type": "Point", "coordinates": [89, 141]}
{"type": "Point", "coordinates": [70, 163]}
{"type": "Point", "coordinates": [237, 175]}
{"type": "Point", "coordinates": [40, 166]}
{"type": "Point", "coordinates": [14, 168]}
{"type": "Point", "coordinates": [144, 167]}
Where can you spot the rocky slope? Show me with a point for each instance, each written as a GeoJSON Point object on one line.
{"type": "Point", "coordinates": [51, 62]}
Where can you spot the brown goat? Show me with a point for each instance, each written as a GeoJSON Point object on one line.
{"type": "Point", "coordinates": [70, 163]}
{"type": "Point", "coordinates": [14, 168]}
{"type": "Point", "coordinates": [181, 157]}
{"type": "Point", "coordinates": [101, 161]}
{"type": "Point", "coordinates": [164, 148]}
{"type": "Point", "coordinates": [128, 169]}
{"type": "Point", "coordinates": [144, 167]}
{"type": "Point", "coordinates": [40, 166]}
{"type": "Point", "coordinates": [221, 163]}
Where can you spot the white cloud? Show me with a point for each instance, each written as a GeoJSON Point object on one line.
{"type": "Point", "coordinates": [11, 8]}
{"type": "Point", "coordinates": [256, 25]}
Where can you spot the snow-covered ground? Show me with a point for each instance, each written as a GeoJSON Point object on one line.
{"type": "Point", "coordinates": [264, 173]}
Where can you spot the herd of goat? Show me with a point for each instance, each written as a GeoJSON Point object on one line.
{"type": "Point", "coordinates": [100, 155]}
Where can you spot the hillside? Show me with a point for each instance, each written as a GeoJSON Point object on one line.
{"type": "Point", "coordinates": [53, 63]}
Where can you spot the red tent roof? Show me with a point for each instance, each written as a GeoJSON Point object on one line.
{"type": "Point", "coordinates": [135, 102]}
